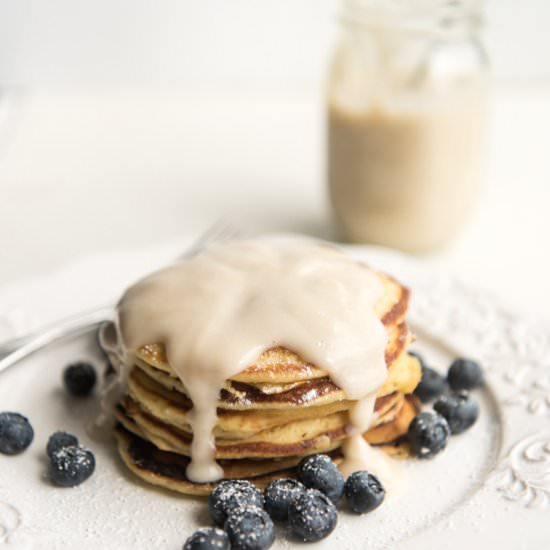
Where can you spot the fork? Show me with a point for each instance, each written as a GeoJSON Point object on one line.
{"type": "Point", "coordinates": [13, 351]}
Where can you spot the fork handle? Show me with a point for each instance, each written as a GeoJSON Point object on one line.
{"type": "Point", "coordinates": [18, 348]}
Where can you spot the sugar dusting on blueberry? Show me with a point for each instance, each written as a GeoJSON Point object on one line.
{"type": "Point", "coordinates": [312, 516]}
{"type": "Point", "coordinates": [59, 440]}
{"type": "Point", "coordinates": [231, 494]}
{"type": "Point", "coordinates": [250, 528]}
{"type": "Point", "coordinates": [428, 434]}
{"type": "Point", "coordinates": [80, 378]}
{"type": "Point", "coordinates": [319, 472]}
{"type": "Point", "coordinates": [16, 433]}
{"type": "Point", "coordinates": [71, 466]}
{"type": "Point", "coordinates": [279, 494]}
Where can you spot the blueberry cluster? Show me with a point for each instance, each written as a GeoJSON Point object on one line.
{"type": "Point", "coordinates": [307, 506]}
{"type": "Point", "coordinates": [454, 409]}
{"type": "Point", "coordinates": [237, 506]}
{"type": "Point", "coordinates": [230, 495]}
{"type": "Point", "coordinates": [70, 463]}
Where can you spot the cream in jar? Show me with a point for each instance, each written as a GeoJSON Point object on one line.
{"type": "Point", "coordinates": [406, 120]}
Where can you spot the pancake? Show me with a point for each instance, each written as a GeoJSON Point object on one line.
{"type": "Point", "coordinates": [173, 408]}
{"type": "Point", "coordinates": [310, 435]}
{"type": "Point", "coordinates": [269, 404]}
{"type": "Point", "coordinates": [403, 376]}
{"type": "Point", "coordinates": [161, 415]}
{"type": "Point", "coordinates": [167, 469]}
{"type": "Point", "coordinates": [269, 415]}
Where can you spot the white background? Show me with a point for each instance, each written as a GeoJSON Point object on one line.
{"type": "Point", "coordinates": [125, 123]}
{"type": "Point", "coordinates": [182, 42]}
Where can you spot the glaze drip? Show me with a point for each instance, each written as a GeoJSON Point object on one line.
{"type": "Point", "coordinates": [217, 312]}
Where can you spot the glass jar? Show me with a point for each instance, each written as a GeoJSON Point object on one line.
{"type": "Point", "coordinates": [407, 103]}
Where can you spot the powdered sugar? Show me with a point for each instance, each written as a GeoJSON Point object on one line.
{"type": "Point", "coordinates": [114, 510]}
{"type": "Point", "coordinates": [452, 501]}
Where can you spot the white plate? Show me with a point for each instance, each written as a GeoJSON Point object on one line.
{"type": "Point", "coordinates": [490, 486]}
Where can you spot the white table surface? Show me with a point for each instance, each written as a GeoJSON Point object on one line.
{"type": "Point", "coordinates": [82, 172]}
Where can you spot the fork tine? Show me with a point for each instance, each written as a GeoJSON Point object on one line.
{"type": "Point", "coordinates": [216, 233]}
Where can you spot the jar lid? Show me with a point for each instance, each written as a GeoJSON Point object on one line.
{"type": "Point", "coordinates": [435, 16]}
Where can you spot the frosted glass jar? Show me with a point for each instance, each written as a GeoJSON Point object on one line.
{"type": "Point", "coordinates": [407, 111]}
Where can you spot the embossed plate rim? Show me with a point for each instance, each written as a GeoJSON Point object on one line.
{"type": "Point", "coordinates": [516, 353]}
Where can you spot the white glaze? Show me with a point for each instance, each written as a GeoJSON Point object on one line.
{"type": "Point", "coordinates": [217, 312]}
{"type": "Point", "coordinates": [359, 455]}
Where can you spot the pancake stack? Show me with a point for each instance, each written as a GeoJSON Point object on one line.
{"type": "Point", "coordinates": [270, 415]}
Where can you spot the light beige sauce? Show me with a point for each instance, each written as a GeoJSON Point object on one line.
{"type": "Point", "coordinates": [217, 312]}
{"type": "Point", "coordinates": [359, 455]}
{"type": "Point", "coordinates": [405, 177]}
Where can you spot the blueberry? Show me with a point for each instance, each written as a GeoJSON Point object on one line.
{"type": "Point", "coordinates": [278, 495]}
{"type": "Point", "coordinates": [312, 516]}
{"type": "Point", "coordinates": [458, 409]}
{"type": "Point", "coordinates": [231, 494]}
{"type": "Point", "coordinates": [363, 492]}
{"type": "Point", "coordinates": [71, 466]}
{"type": "Point", "coordinates": [16, 433]}
{"type": "Point", "coordinates": [79, 378]}
{"type": "Point", "coordinates": [207, 538]}
{"type": "Point", "coordinates": [431, 384]}
{"type": "Point", "coordinates": [249, 528]}
{"type": "Point", "coordinates": [428, 434]}
{"type": "Point", "coordinates": [58, 440]}
{"type": "Point", "coordinates": [465, 374]}
{"type": "Point", "coordinates": [319, 472]}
